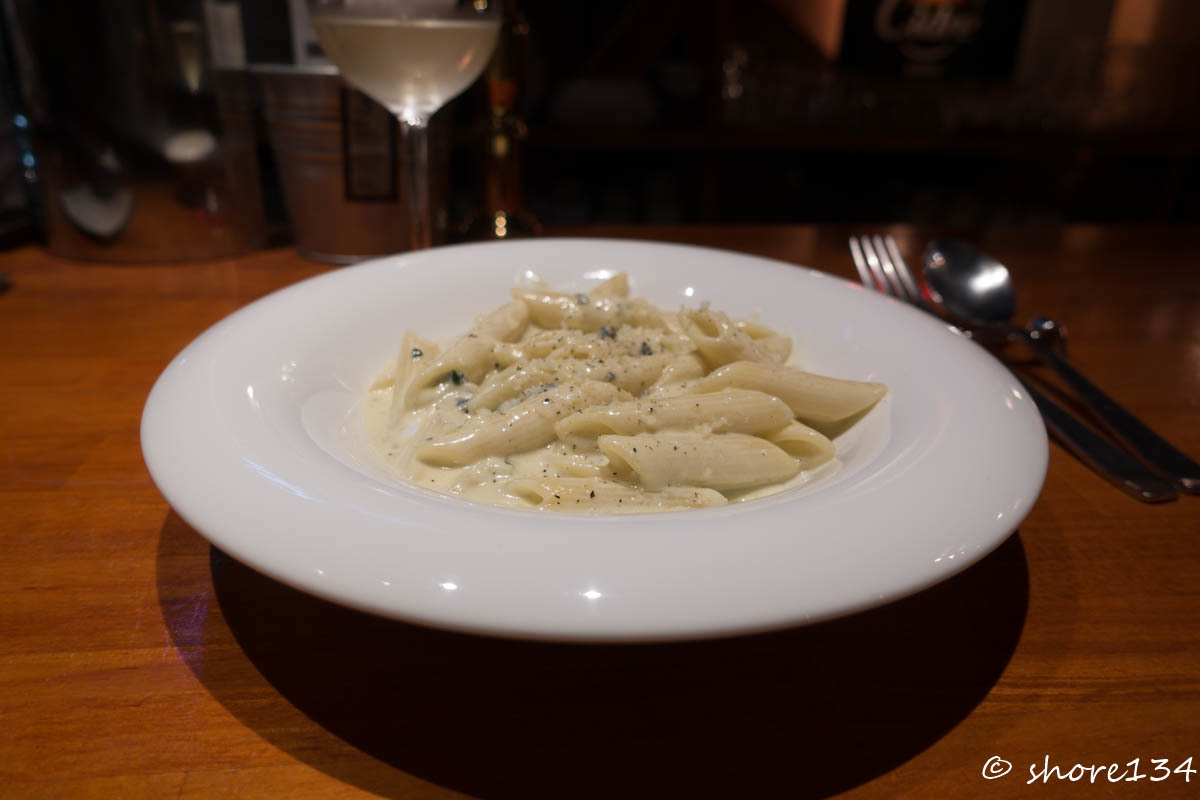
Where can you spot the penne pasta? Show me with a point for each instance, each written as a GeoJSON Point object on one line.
{"type": "Point", "coordinates": [571, 311]}
{"type": "Point", "coordinates": [721, 461]}
{"type": "Point", "coordinates": [527, 426]}
{"type": "Point", "coordinates": [813, 398]}
{"type": "Point", "coordinates": [616, 286]}
{"type": "Point", "coordinates": [730, 410]}
{"type": "Point", "coordinates": [811, 448]}
{"type": "Point", "coordinates": [601, 402]}
{"type": "Point", "coordinates": [720, 341]}
{"type": "Point", "coordinates": [628, 373]}
{"type": "Point", "coordinates": [414, 351]}
{"type": "Point", "coordinates": [505, 324]}
{"type": "Point", "coordinates": [467, 360]}
{"type": "Point", "coordinates": [571, 494]}
{"type": "Point", "coordinates": [680, 370]}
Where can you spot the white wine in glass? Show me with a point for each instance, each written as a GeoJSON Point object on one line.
{"type": "Point", "coordinates": [412, 56]}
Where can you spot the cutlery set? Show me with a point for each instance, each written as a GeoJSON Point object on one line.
{"type": "Point", "coordinates": [975, 294]}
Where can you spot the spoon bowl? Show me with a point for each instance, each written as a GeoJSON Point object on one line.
{"type": "Point", "coordinates": [970, 284]}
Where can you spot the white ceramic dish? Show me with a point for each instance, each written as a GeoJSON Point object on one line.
{"type": "Point", "coordinates": [252, 435]}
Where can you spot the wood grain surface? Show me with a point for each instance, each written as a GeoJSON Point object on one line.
{"type": "Point", "coordinates": [137, 661]}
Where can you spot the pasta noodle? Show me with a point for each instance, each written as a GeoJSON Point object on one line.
{"type": "Point", "coordinates": [721, 461]}
{"type": "Point", "coordinates": [813, 398]}
{"type": "Point", "coordinates": [601, 402]}
{"type": "Point", "coordinates": [730, 410]}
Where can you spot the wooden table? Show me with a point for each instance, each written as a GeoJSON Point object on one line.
{"type": "Point", "coordinates": [137, 661]}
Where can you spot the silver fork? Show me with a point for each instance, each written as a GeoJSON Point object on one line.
{"type": "Point", "coordinates": [881, 267]}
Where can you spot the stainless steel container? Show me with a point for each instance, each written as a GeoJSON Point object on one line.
{"type": "Point", "coordinates": [339, 164]}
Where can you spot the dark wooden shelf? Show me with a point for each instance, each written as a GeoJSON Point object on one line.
{"type": "Point", "coordinates": [698, 139]}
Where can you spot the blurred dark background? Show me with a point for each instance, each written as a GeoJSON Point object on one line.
{"type": "Point", "coordinates": [954, 112]}
{"type": "Point", "coordinates": [1033, 112]}
{"type": "Point", "coordinates": [732, 112]}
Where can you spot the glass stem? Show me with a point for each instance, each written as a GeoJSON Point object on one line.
{"type": "Point", "coordinates": [414, 128]}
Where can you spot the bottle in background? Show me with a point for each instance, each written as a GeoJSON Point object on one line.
{"type": "Point", "coordinates": [503, 214]}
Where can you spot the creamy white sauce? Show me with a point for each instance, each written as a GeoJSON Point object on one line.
{"type": "Point", "coordinates": [439, 410]}
{"type": "Point", "coordinates": [484, 481]}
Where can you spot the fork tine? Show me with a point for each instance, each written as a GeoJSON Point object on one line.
{"type": "Point", "coordinates": [860, 263]}
{"type": "Point", "coordinates": [882, 282]}
{"type": "Point", "coordinates": [889, 269]}
{"type": "Point", "coordinates": [902, 270]}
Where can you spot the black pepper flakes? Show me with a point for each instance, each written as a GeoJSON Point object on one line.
{"type": "Point", "coordinates": [612, 376]}
{"type": "Point", "coordinates": [592, 493]}
{"type": "Point", "coordinates": [456, 377]}
{"type": "Point", "coordinates": [608, 332]}
{"type": "Point", "coordinates": [645, 350]}
{"type": "Point", "coordinates": [582, 299]}
{"type": "Point", "coordinates": [416, 352]}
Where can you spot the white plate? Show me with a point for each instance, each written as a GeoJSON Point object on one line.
{"type": "Point", "coordinates": [252, 435]}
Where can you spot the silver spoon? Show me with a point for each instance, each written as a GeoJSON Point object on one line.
{"type": "Point", "coordinates": [976, 288]}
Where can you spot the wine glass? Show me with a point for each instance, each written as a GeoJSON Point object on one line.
{"type": "Point", "coordinates": [412, 56]}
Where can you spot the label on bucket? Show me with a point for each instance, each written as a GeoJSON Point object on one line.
{"type": "Point", "coordinates": [369, 149]}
